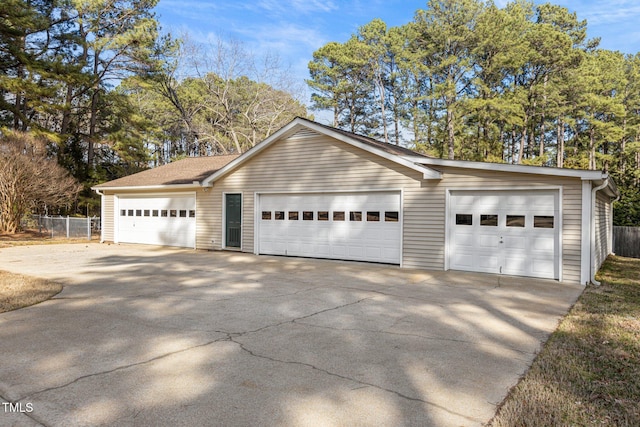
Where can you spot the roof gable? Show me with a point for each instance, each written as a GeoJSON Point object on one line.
{"type": "Point", "coordinates": [299, 125]}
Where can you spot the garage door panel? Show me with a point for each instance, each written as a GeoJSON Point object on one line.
{"type": "Point", "coordinates": [332, 233]}
{"type": "Point", "coordinates": [515, 246]}
{"type": "Point", "coordinates": [157, 220]}
{"type": "Point", "coordinates": [487, 241]}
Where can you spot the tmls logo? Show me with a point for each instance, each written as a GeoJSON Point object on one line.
{"type": "Point", "coordinates": [18, 407]}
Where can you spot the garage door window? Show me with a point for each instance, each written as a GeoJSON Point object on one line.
{"type": "Point", "coordinates": [543, 222]}
{"type": "Point", "coordinates": [147, 212]}
{"type": "Point", "coordinates": [266, 215]}
{"type": "Point", "coordinates": [391, 216]}
{"type": "Point", "coordinates": [164, 213]}
{"type": "Point", "coordinates": [307, 216]}
{"type": "Point", "coordinates": [192, 214]}
{"type": "Point", "coordinates": [279, 215]}
{"type": "Point", "coordinates": [373, 216]}
{"type": "Point", "coordinates": [464, 219]}
{"type": "Point", "coordinates": [183, 213]}
{"type": "Point", "coordinates": [489, 220]}
{"type": "Point", "coordinates": [355, 216]}
{"type": "Point", "coordinates": [515, 221]}
{"type": "Point", "coordinates": [323, 216]}
{"type": "Point", "coordinates": [293, 216]}
{"type": "Point", "coordinates": [173, 213]}
{"type": "Point", "coordinates": [155, 212]}
{"type": "Point", "coordinates": [123, 212]}
{"type": "Point", "coordinates": [338, 216]}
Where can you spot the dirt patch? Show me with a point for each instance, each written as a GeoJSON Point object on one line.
{"type": "Point", "coordinates": [33, 237]}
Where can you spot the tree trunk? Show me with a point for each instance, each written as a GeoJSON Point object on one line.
{"type": "Point", "coordinates": [451, 137]}
{"type": "Point", "coordinates": [523, 140]}
{"type": "Point", "coordinates": [560, 148]}
{"type": "Point", "coordinates": [623, 147]}
{"type": "Point", "coordinates": [592, 148]}
{"type": "Point", "coordinates": [66, 113]}
{"type": "Point", "coordinates": [542, 125]}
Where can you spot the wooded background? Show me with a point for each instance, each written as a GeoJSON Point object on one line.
{"type": "Point", "coordinates": [110, 94]}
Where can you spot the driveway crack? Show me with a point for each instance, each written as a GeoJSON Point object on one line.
{"type": "Point", "coordinates": [362, 384]}
{"type": "Point", "coordinates": [294, 320]}
{"type": "Point", "coordinates": [124, 367]}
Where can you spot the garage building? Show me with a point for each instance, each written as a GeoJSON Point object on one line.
{"type": "Point", "coordinates": [315, 191]}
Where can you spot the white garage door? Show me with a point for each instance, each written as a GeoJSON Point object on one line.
{"type": "Point", "coordinates": [166, 220]}
{"type": "Point", "coordinates": [354, 226]}
{"type": "Point", "coordinates": [505, 232]}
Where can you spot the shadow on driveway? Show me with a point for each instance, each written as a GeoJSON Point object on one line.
{"type": "Point", "coordinates": [156, 336]}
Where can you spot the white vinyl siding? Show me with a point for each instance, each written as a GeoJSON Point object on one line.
{"type": "Point", "coordinates": [602, 221]}
{"type": "Point", "coordinates": [107, 218]}
{"type": "Point", "coordinates": [308, 162]}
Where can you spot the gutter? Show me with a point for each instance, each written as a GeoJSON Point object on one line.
{"type": "Point", "coordinates": [167, 187]}
{"type": "Point", "coordinates": [593, 229]}
{"type": "Point", "coordinates": [101, 213]}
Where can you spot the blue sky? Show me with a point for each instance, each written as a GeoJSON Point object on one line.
{"type": "Point", "coordinates": [294, 29]}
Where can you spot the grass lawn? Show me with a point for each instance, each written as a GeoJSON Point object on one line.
{"type": "Point", "coordinates": [588, 373]}
{"type": "Point", "coordinates": [17, 291]}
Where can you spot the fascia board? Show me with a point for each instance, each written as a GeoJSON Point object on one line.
{"type": "Point", "coordinates": [148, 187]}
{"type": "Point", "coordinates": [501, 167]}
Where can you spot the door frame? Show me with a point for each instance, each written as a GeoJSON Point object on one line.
{"type": "Point", "coordinates": [447, 213]}
{"type": "Point", "coordinates": [224, 220]}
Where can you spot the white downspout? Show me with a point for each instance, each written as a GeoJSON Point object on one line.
{"type": "Point", "coordinates": [593, 230]}
{"type": "Point", "coordinates": [101, 214]}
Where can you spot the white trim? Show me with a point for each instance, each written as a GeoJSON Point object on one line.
{"type": "Point", "coordinates": [560, 233]}
{"type": "Point", "coordinates": [358, 190]}
{"type": "Point", "coordinates": [447, 233]}
{"type": "Point", "coordinates": [401, 219]}
{"type": "Point", "coordinates": [504, 167]}
{"type": "Point", "coordinates": [585, 243]}
{"type": "Point", "coordinates": [116, 218]}
{"type": "Point", "coordinates": [102, 203]}
{"type": "Point", "coordinates": [299, 123]}
{"type": "Point", "coordinates": [223, 244]}
{"type": "Point", "coordinates": [148, 187]}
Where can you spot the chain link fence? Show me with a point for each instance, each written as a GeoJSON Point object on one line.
{"type": "Point", "coordinates": [63, 227]}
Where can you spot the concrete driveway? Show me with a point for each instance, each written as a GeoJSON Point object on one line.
{"type": "Point", "coordinates": [155, 336]}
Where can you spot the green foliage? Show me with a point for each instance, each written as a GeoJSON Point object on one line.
{"type": "Point", "coordinates": [466, 79]}
{"type": "Point", "coordinates": [98, 81]}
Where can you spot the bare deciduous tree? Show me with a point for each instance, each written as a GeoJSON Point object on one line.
{"type": "Point", "coordinates": [29, 178]}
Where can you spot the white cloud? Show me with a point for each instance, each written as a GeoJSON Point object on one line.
{"type": "Point", "coordinates": [305, 7]}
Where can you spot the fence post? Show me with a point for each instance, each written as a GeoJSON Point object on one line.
{"type": "Point", "coordinates": [67, 226]}
{"type": "Point", "coordinates": [88, 227]}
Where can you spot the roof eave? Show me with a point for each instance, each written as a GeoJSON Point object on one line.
{"type": "Point", "coordinates": [503, 167]}
{"type": "Point", "coordinates": [193, 185]}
